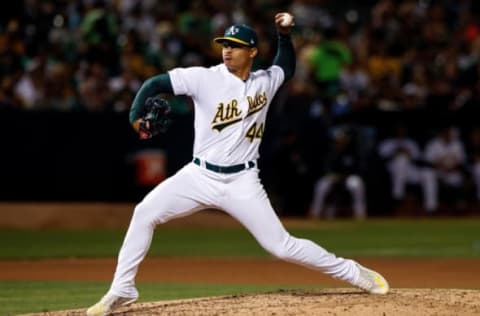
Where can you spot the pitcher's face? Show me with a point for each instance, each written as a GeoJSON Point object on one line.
{"type": "Point", "coordinates": [237, 57]}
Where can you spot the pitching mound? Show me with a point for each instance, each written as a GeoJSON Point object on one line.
{"type": "Point", "coordinates": [340, 302]}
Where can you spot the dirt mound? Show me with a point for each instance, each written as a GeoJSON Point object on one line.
{"type": "Point", "coordinates": [340, 302]}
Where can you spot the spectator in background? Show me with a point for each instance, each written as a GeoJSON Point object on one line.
{"type": "Point", "coordinates": [414, 81]}
{"type": "Point", "coordinates": [195, 29]}
{"type": "Point", "coordinates": [30, 87]}
{"type": "Point", "coordinates": [93, 89]}
{"type": "Point", "coordinates": [354, 80]}
{"type": "Point", "coordinates": [11, 51]}
{"type": "Point", "coordinates": [99, 29]}
{"type": "Point", "coordinates": [341, 172]}
{"type": "Point", "coordinates": [446, 163]}
{"type": "Point", "coordinates": [401, 153]}
{"type": "Point", "coordinates": [123, 87]}
{"type": "Point", "coordinates": [474, 159]}
{"type": "Point", "coordinates": [327, 60]}
{"type": "Point", "coordinates": [8, 98]}
{"type": "Point", "coordinates": [59, 93]}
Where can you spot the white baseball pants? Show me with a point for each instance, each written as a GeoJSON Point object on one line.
{"type": "Point", "coordinates": [243, 197]}
{"type": "Point", "coordinates": [354, 184]}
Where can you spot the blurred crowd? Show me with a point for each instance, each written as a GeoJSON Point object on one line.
{"type": "Point", "coordinates": [353, 57]}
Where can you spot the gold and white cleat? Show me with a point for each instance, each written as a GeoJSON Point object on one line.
{"type": "Point", "coordinates": [371, 281]}
{"type": "Point", "coordinates": [108, 303]}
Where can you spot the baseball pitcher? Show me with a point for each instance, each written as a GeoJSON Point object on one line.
{"type": "Point", "coordinates": [230, 103]}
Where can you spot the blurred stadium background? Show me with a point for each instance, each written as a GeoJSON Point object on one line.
{"type": "Point", "coordinates": [69, 71]}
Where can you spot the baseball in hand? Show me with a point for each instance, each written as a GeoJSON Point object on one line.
{"type": "Point", "coordinates": [287, 20]}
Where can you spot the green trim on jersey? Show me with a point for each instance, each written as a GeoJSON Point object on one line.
{"type": "Point", "coordinates": [151, 87]}
{"type": "Point", "coordinates": [285, 57]}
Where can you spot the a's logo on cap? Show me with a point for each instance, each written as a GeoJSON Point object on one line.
{"type": "Point", "coordinates": [232, 30]}
{"type": "Point", "coordinates": [240, 34]}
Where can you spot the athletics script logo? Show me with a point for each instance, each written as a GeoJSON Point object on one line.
{"type": "Point", "coordinates": [229, 113]}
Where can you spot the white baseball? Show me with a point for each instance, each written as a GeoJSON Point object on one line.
{"type": "Point", "coordinates": [287, 20]}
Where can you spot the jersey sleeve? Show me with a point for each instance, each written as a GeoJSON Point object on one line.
{"type": "Point", "coordinates": [285, 57]}
{"type": "Point", "coordinates": [276, 76]}
{"type": "Point", "coordinates": [186, 81]}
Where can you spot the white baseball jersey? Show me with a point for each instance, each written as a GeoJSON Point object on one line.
{"type": "Point", "coordinates": [449, 154]}
{"type": "Point", "coordinates": [230, 117]}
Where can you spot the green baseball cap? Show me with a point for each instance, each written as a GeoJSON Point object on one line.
{"type": "Point", "coordinates": [239, 33]}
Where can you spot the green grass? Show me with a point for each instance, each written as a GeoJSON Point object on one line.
{"type": "Point", "coordinates": [31, 297]}
{"type": "Point", "coordinates": [392, 238]}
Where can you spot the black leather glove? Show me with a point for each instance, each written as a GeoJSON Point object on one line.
{"type": "Point", "coordinates": [156, 117]}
